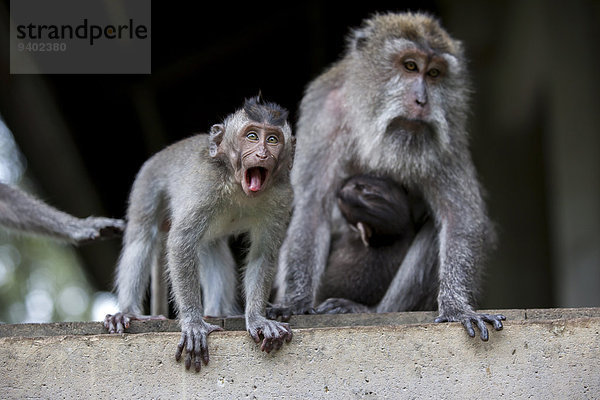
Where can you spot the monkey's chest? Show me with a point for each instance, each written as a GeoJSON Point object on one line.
{"type": "Point", "coordinates": [233, 222]}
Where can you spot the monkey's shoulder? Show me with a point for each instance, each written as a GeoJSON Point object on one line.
{"type": "Point", "coordinates": [189, 155]}
{"type": "Point", "coordinates": [184, 148]}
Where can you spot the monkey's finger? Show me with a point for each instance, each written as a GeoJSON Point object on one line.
{"type": "Point", "coordinates": [440, 319]}
{"type": "Point", "coordinates": [497, 322]}
{"type": "Point", "coordinates": [189, 350]}
{"type": "Point", "coordinates": [483, 331]}
{"type": "Point", "coordinates": [180, 347]}
{"type": "Point", "coordinates": [267, 345]}
{"type": "Point", "coordinates": [188, 360]}
{"type": "Point", "coordinates": [269, 335]}
{"type": "Point", "coordinates": [277, 343]}
{"type": "Point", "coordinates": [197, 363]}
{"type": "Point", "coordinates": [213, 328]}
{"type": "Point", "coordinates": [498, 325]}
{"type": "Point", "coordinates": [204, 349]}
{"type": "Point", "coordinates": [198, 352]}
{"type": "Point", "coordinates": [126, 321]}
{"type": "Point", "coordinates": [256, 334]}
{"type": "Point", "coordinates": [109, 324]}
{"type": "Point", "coordinates": [287, 332]}
{"type": "Point", "coordinates": [469, 327]}
{"type": "Point", "coordinates": [120, 328]}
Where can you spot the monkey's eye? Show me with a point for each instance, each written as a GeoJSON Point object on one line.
{"type": "Point", "coordinates": [252, 136]}
{"type": "Point", "coordinates": [434, 72]}
{"type": "Point", "coordinates": [411, 66]}
{"type": "Point", "coordinates": [272, 139]}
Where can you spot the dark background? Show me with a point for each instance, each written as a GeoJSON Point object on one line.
{"type": "Point", "coordinates": [534, 66]}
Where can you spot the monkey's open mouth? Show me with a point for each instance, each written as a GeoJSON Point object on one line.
{"type": "Point", "coordinates": [255, 178]}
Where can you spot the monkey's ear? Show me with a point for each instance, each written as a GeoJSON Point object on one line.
{"type": "Point", "coordinates": [359, 37]}
{"type": "Point", "coordinates": [216, 133]}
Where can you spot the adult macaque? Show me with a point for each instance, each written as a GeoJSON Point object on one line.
{"type": "Point", "coordinates": [367, 252]}
{"type": "Point", "coordinates": [395, 105]}
{"type": "Point", "coordinates": [191, 197]}
{"type": "Point", "coordinates": [24, 213]}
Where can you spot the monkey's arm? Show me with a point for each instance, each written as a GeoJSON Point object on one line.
{"type": "Point", "coordinates": [184, 271]}
{"type": "Point", "coordinates": [23, 212]}
{"type": "Point", "coordinates": [465, 234]}
{"type": "Point", "coordinates": [258, 277]}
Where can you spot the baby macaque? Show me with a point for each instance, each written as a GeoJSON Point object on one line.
{"type": "Point", "coordinates": [366, 255]}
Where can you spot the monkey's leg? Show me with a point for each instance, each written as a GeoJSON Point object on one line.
{"type": "Point", "coordinates": [184, 270]}
{"type": "Point", "coordinates": [159, 289]}
{"type": "Point", "coordinates": [21, 211]}
{"type": "Point", "coordinates": [258, 277]}
{"type": "Point", "coordinates": [303, 258]}
{"type": "Point", "coordinates": [133, 273]}
{"type": "Point", "coordinates": [219, 280]}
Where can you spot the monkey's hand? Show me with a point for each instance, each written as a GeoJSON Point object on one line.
{"type": "Point", "coordinates": [469, 317]}
{"type": "Point", "coordinates": [272, 333]}
{"type": "Point", "coordinates": [341, 306]}
{"type": "Point", "coordinates": [194, 340]}
{"type": "Point", "coordinates": [284, 311]}
{"type": "Point", "coordinates": [92, 228]}
{"type": "Point", "coordinates": [118, 322]}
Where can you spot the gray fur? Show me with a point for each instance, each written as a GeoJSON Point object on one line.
{"type": "Point", "coordinates": [195, 186]}
{"type": "Point", "coordinates": [364, 108]}
{"type": "Point", "coordinates": [23, 212]}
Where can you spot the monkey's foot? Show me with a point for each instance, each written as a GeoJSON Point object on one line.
{"type": "Point", "coordinates": [284, 311]}
{"type": "Point", "coordinates": [469, 318]}
{"type": "Point", "coordinates": [272, 333]}
{"type": "Point", "coordinates": [341, 306]}
{"type": "Point", "coordinates": [118, 322]}
{"type": "Point", "coordinates": [93, 228]}
{"type": "Point", "coordinates": [194, 340]}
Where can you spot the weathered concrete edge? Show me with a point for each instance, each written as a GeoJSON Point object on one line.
{"type": "Point", "coordinates": [544, 358]}
{"type": "Point", "coordinates": [296, 322]}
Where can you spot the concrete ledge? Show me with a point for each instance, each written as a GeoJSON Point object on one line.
{"type": "Point", "coordinates": [556, 355]}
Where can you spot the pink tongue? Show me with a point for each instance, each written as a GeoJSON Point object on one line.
{"type": "Point", "coordinates": [255, 180]}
